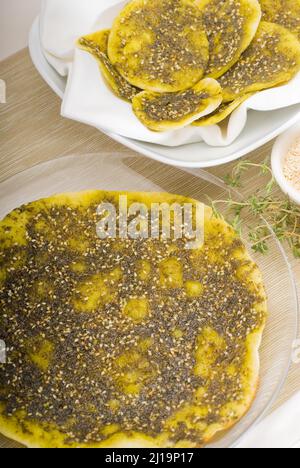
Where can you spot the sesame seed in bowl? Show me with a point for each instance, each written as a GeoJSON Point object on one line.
{"type": "Point", "coordinates": [291, 165]}
{"type": "Point", "coordinates": [286, 162]}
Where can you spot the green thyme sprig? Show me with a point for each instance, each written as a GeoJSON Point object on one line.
{"type": "Point", "coordinates": [282, 215]}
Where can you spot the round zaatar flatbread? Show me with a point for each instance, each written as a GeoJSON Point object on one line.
{"type": "Point", "coordinates": [273, 58]}
{"type": "Point", "coordinates": [230, 26]}
{"type": "Point", "coordinates": [159, 45]}
{"type": "Point", "coordinates": [120, 342]}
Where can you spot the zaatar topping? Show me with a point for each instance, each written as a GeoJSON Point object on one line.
{"type": "Point", "coordinates": [173, 106]}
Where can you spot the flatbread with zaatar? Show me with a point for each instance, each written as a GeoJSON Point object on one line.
{"type": "Point", "coordinates": [120, 342]}
{"type": "Point", "coordinates": [161, 112]}
{"type": "Point", "coordinates": [159, 45]}
{"type": "Point", "coordinates": [230, 26]}
{"type": "Point", "coordinates": [221, 113]}
{"type": "Point", "coordinates": [96, 44]}
{"type": "Point", "coordinates": [284, 12]}
{"type": "Point", "coordinates": [273, 58]}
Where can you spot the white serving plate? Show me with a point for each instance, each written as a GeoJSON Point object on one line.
{"type": "Point", "coordinates": [261, 127]}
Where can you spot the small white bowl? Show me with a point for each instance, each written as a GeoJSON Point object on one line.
{"type": "Point", "coordinates": [280, 150]}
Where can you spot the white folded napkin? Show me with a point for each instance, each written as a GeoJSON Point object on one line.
{"type": "Point", "coordinates": [89, 100]}
{"type": "Point", "coordinates": [279, 430]}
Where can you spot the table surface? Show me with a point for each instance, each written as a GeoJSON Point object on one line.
{"type": "Point", "coordinates": [32, 131]}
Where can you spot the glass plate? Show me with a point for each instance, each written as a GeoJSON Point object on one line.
{"type": "Point", "coordinates": [121, 172]}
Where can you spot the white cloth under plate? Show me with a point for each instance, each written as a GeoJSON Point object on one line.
{"type": "Point", "coordinates": [89, 100]}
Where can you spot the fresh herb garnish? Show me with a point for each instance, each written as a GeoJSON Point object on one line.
{"type": "Point", "coordinates": [282, 215]}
